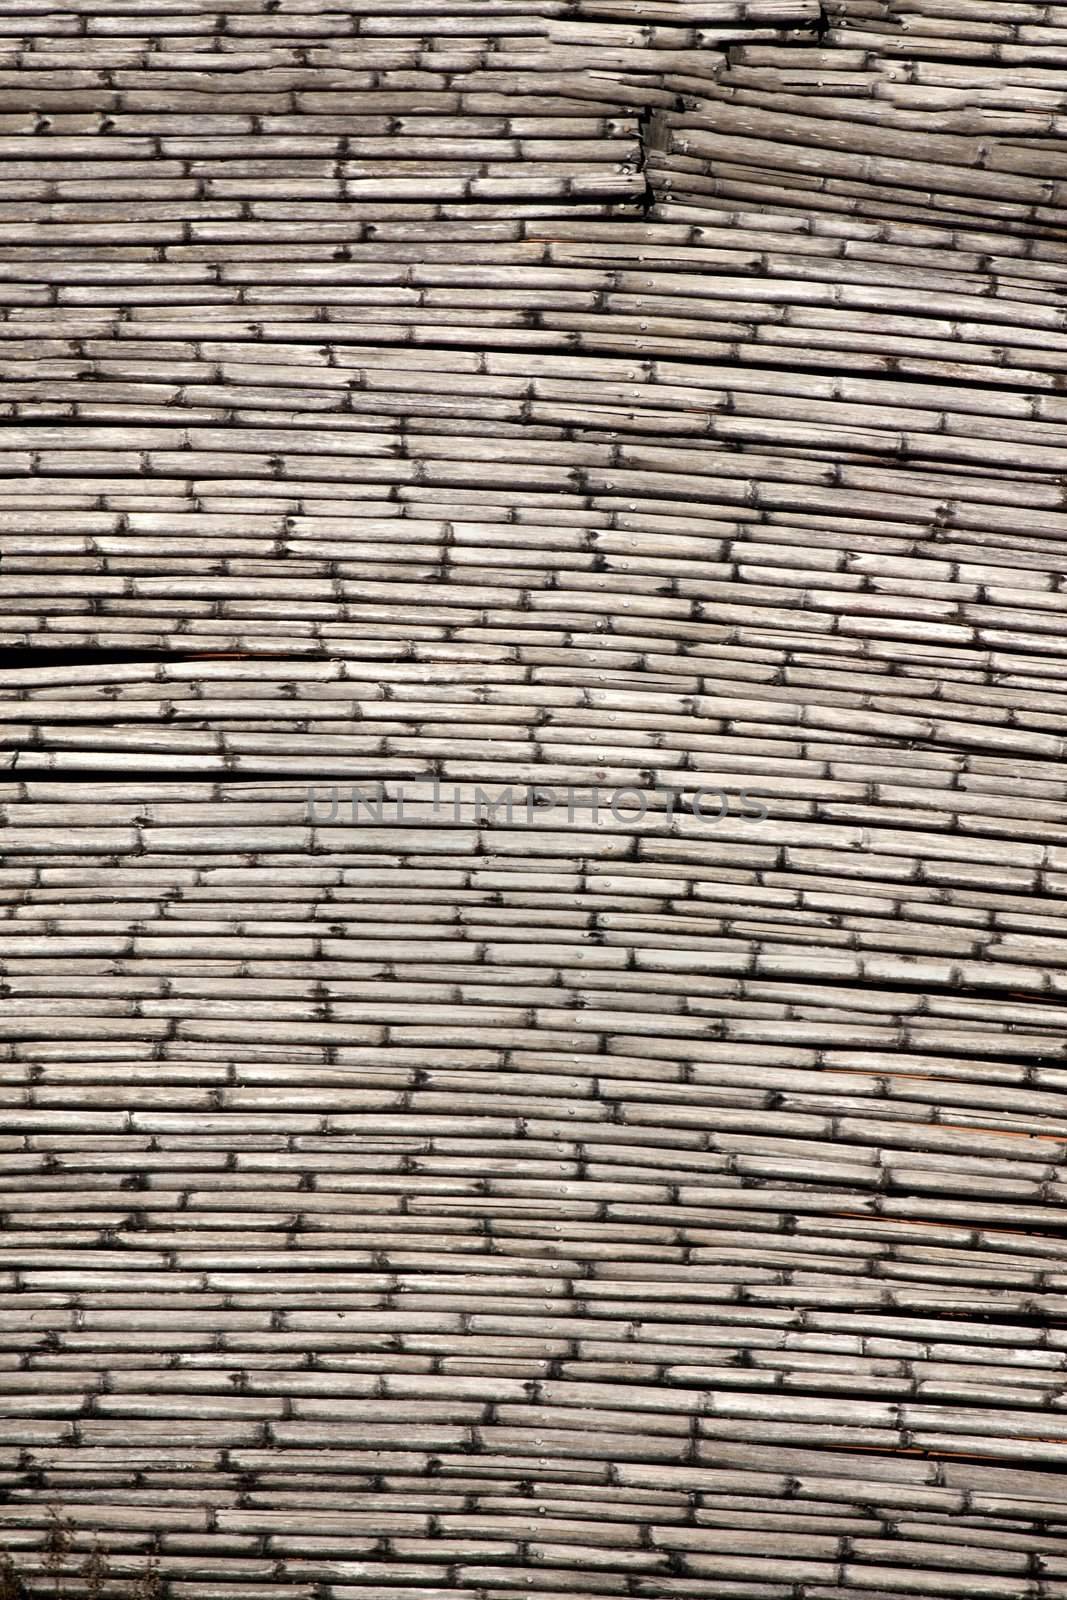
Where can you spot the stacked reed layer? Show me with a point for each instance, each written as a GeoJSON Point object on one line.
{"type": "Point", "coordinates": [534, 883]}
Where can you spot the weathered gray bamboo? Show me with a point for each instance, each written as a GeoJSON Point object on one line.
{"type": "Point", "coordinates": [490, 402]}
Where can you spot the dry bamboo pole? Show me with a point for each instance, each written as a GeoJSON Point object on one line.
{"type": "Point", "coordinates": [516, 401]}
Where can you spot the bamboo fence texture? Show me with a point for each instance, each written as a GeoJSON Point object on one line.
{"type": "Point", "coordinates": [533, 858]}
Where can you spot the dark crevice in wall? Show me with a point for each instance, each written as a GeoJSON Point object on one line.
{"type": "Point", "coordinates": [23, 768]}
{"type": "Point", "coordinates": [15, 658]}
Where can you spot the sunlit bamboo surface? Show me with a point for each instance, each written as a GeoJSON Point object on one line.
{"type": "Point", "coordinates": [502, 400]}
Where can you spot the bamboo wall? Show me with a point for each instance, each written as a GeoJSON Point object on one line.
{"type": "Point", "coordinates": [534, 395]}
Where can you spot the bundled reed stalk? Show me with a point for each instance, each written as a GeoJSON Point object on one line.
{"type": "Point", "coordinates": [534, 883]}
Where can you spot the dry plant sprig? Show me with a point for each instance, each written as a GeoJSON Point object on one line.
{"type": "Point", "coordinates": [11, 1584]}
{"type": "Point", "coordinates": [149, 1585]}
{"type": "Point", "coordinates": [95, 1570]}
{"type": "Point", "coordinates": [60, 1540]}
